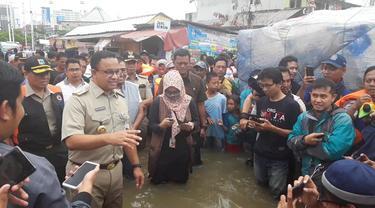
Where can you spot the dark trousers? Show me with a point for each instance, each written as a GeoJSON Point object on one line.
{"type": "Point", "coordinates": [271, 173]}
{"type": "Point", "coordinates": [197, 159]}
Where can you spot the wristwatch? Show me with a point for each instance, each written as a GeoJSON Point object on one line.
{"type": "Point", "coordinates": [136, 166]}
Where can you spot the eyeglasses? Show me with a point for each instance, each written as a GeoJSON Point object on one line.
{"type": "Point", "coordinates": [111, 72]}
{"type": "Point", "coordinates": [266, 85]}
{"type": "Point", "coordinates": [74, 69]}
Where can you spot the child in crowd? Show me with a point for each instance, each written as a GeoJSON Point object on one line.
{"type": "Point", "coordinates": [215, 106]}
{"type": "Point", "coordinates": [231, 124]}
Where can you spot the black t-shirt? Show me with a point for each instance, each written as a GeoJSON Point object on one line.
{"type": "Point", "coordinates": [282, 114]}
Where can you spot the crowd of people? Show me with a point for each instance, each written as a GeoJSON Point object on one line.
{"type": "Point", "coordinates": [66, 109]}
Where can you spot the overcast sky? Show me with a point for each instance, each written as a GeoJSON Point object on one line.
{"type": "Point", "coordinates": [116, 9]}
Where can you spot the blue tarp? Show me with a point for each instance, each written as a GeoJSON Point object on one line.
{"type": "Point", "coordinates": [312, 39]}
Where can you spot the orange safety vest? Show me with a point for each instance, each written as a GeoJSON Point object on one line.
{"type": "Point", "coordinates": [147, 70]}
{"type": "Point", "coordinates": [52, 88]}
{"type": "Point", "coordinates": [345, 100]}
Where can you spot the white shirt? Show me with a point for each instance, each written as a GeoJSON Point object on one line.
{"type": "Point", "coordinates": [68, 89]}
{"type": "Point", "coordinates": [300, 103]}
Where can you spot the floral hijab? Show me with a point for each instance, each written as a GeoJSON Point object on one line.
{"type": "Point", "coordinates": [178, 107]}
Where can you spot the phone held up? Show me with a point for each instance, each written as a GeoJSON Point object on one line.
{"type": "Point", "coordinates": [15, 167]}
{"type": "Point", "coordinates": [309, 70]}
{"type": "Point", "coordinates": [73, 181]}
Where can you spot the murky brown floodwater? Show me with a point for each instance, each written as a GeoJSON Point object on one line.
{"type": "Point", "coordinates": [224, 181]}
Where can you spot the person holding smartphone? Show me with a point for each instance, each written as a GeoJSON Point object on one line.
{"type": "Point", "coordinates": [43, 189]}
{"type": "Point", "coordinates": [173, 117]}
{"type": "Point", "coordinates": [324, 133]}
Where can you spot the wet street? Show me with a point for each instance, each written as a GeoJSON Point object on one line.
{"type": "Point", "coordinates": [224, 181]}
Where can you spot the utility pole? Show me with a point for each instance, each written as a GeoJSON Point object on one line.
{"type": "Point", "coordinates": [12, 23]}
{"type": "Point", "coordinates": [9, 35]}
{"type": "Point", "coordinates": [25, 26]}
{"type": "Point", "coordinates": [32, 28]}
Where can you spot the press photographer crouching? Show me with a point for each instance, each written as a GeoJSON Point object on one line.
{"type": "Point", "coordinates": [345, 184]}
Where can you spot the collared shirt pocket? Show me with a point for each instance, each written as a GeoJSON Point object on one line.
{"type": "Point", "coordinates": [100, 121]}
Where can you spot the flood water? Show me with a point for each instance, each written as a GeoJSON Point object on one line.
{"type": "Point", "coordinates": [224, 181]}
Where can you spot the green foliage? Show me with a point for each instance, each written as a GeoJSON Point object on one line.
{"type": "Point", "coordinates": [19, 36]}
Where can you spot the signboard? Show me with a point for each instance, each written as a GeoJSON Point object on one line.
{"type": "Point", "coordinates": [211, 42]}
{"type": "Point", "coordinates": [162, 25]}
{"type": "Point", "coordinates": [46, 15]}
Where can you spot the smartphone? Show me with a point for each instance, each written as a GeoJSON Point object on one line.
{"type": "Point", "coordinates": [15, 167]}
{"type": "Point", "coordinates": [77, 177]}
{"type": "Point", "coordinates": [297, 190]}
{"type": "Point", "coordinates": [255, 118]}
{"type": "Point", "coordinates": [309, 71]}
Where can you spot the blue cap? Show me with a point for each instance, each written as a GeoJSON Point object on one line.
{"type": "Point", "coordinates": [351, 181]}
{"type": "Point", "coordinates": [336, 60]}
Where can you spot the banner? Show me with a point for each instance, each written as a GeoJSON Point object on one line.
{"type": "Point", "coordinates": [211, 42]}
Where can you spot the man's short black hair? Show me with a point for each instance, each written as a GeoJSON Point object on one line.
{"type": "Point", "coordinates": [221, 58]}
{"type": "Point", "coordinates": [81, 57]}
{"type": "Point", "coordinates": [98, 56]}
{"type": "Point", "coordinates": [325, 83]}
{"type": "Point", "coordinates": [283, 69]}
{"type": "Point", "coordinates": [40, 52]}
{"type": "Point", "coordinates": [72, 61]}
{"type": "Point", "coordinates": [284, 61]}
{"type": "Point", "coordinates": [51, 54]}
{"type": "Point", "coordinates": [210, 60]}
{"type": "Point", "coordinates": [368, 70]}
{"type": "Point", "coordinates": [10, 83]}
{"type": "Point", "coordinates": [181, 52]}
{"type": "Point", "coordinates": [271, 73]}
{"type": "Point", "coordinates": [60, 55]}
{"type": "Point", "coordinates": [210, 75]}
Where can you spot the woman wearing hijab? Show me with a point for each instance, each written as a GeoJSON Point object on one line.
{"type": "Point", "coordinates": [173, 117]}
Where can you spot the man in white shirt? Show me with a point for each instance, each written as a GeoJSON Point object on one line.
{"type": "Point", "coordinates": [73, 80]}
{"type": "Point", "coordinates": [286, 87]}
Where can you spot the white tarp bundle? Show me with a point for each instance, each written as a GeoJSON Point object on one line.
{"type": "Point", "coordinates": [312, 39]}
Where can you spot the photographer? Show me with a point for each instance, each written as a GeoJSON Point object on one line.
{"type": "Point", "coordinates": [346, 184]}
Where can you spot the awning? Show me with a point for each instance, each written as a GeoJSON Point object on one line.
{"type": "Point", "coordinates": [174, 38]}
{"type": "Point", "coordinates": [103, 42]}
{"type": "Point", "coordinates": [139, 36]}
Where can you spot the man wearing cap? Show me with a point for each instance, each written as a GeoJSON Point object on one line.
{"type": "Point", "coordinates": [200, 69]}
{"type": "Point", "coordinates": [333, 69]}
{"type": "Point", "coordinates": [345, 184]}
{"type": "Point", "coordinates": [95, 123]}
{"type": "Point", "coordinates": [40, 130]}
{"type": "Point", "coordinates": [324, 133]}
{"type": "Point", "coordinates": [142, 81]}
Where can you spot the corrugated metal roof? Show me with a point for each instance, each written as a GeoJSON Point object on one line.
{"type": "Point", "coordinates": [89, 36]}
{"type": "Point", "coordinates": [113, 26]}
{"type": "Point", "coordinates": [269, 17]}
